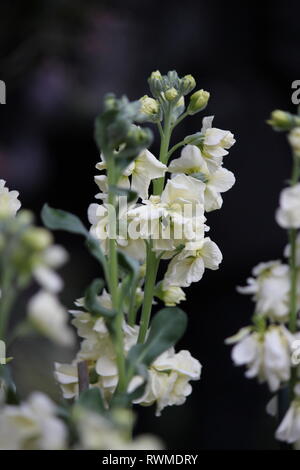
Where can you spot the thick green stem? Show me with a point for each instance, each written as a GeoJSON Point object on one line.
{"type": "Point", "coordinates": [152, 264]}
{"type": "Point", "coordinates": [158, 184]}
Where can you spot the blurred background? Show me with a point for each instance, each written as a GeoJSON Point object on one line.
{"type": "Point", "coordinates": [58, 58]}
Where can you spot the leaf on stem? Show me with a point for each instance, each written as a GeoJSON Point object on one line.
{"type": "Point", "coordinates": [91, 301]}
{"type": "Point", "coordinates": [56, 219]}
{"type": "Point", "coordinates": [166, 329]}
{"type": "Point", "coordinates": [91, 400]}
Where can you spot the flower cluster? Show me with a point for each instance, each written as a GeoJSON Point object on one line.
{"type": "Point", "coordinates": [269, 347]}
{"type": "Point", "coordinates": [28, 253]}
{"type": "Point", "coordinates": [149, 210]}
{"type": "Point", "coordinates": [140, 220]}
{"type": "Point", "coordinates": [169, 374]}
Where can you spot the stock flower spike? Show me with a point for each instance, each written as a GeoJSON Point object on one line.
{"type": "Point", "coordinates": [150, 213]}
{"type": "Point", "coordinates": [269, 346]}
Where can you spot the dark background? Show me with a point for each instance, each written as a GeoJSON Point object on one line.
{"type": "Point", "coordinates": [58, 58]}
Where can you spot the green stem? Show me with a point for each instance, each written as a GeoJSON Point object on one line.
{"type": "Point", "coordinates": [7, 299]}
{"type": "Point", "coordinates": [8, 293]}
{"type": "Point", "coordinates": [113, 284]}
{"type": "Point", "coordinates": [174, 148]}
{"type": "Point", "coordinates": [132, 307]}
{"type": "Point", "coordinates": [152, 264]}
{"type": "Point", "coordinates": [158, 184]}
{"type": "Point", "coordinates": [181, 118]}
{"type": "Point", "coordinates": [293, 277]}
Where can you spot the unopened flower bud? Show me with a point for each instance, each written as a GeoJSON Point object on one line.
{"type": "Point", "coordinates": [150, 108]}
{"type": "Point", "coordinates": [198, 101]}
{"type": "Point", "coordinates": [171, 94]}
{"type": "Point", "coordinates": [149, 105]}
{"type": "Point", "coordinates": [37, 238]}
{"type": "Point", "coordinates": [188, 83]}
{"type": "Point", "coordinates": [156, 83]}
{"type": "Point", "coordinates": [156, 75]}
{"type": "Point", "coordinates": [281, 120]}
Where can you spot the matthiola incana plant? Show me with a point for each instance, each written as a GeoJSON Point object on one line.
{"type": "Point", "coordinates": [150, 212]}
{"type": "Point", "coordinates": [269, 347]}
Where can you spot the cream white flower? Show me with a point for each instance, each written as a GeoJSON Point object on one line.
{"type": "Point", "coordinates": [289, 429]}
{"type": "Point", "coordinates": [176, 215]}
{"type": "Point", "coordinates": [98, 216]}
{"type": "Point", "coordinates": [9, 202]}
{"type": "Point", "coordinates": [96, 348]}
{"type": "Point", "coordinates": [191, 162]}
{"type": "Point", "coordinates": [142, 170]}
{"type": "Point", "coordinates": [189, 265]}
{"type": "Point", "coordinates": [169, 378]}
{"type": "Point", "coordinates": [32, 425]}
{"type": "Point", "coordinates": [294, 140]}
{"type": "Point", "coordinates": [267, 356]}
{"type": "Point", "coordinates": [215, 142]}
{"type": "Point", "coordinates": [270, 289]}
{"type": "Point", "coordinates": [67, 376]}
{"type": "Point", "coordinates": [146, 168]}
{"type": "Point", "coordinates": [172, 296]}
{"type": "Point", "coordinates": [50, 318]}
{"type": "Point", "coordinates": [288, 214]}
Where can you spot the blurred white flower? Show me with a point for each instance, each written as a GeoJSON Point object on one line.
{"type": "Point", "coordinates": [98, 433]}
{"type": "Point", "coordinates": [67, 376]}
{"type": "Point", "coordinates": [270, 288]}
{"type": "Point", "coordinates": [32, 425]}
{"type": "Point", "coordinates": [9, 202]}
{"type": "Point", "coordinates": [52, 258]}
{"type": "Point", "coordinates": [189, 265]}
{"type": "Point", "coordinates": [288, 214]}
{"type": "Point", "coordinates": [49, 317]}
{"type": "Point", "coordinates": [267, 355]}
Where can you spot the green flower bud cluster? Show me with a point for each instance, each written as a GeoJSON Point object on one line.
{"type": "Point", "coordinates": [169, 92]}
